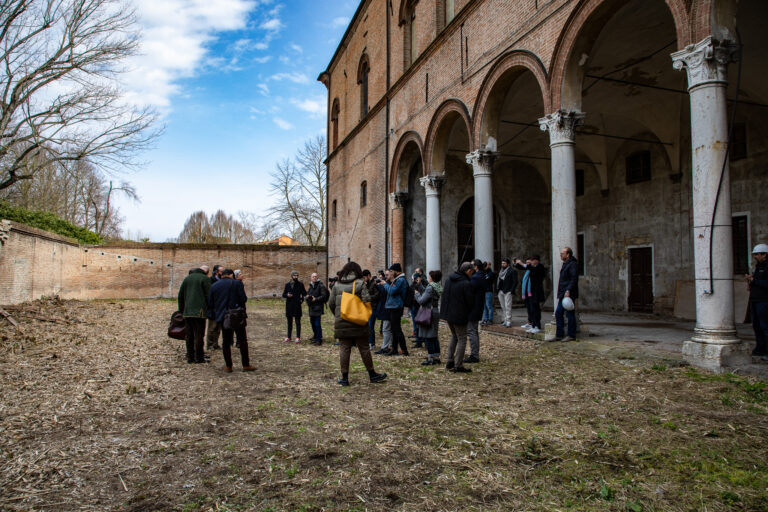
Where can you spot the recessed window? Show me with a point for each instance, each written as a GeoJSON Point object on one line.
{"type": "Point", "coordinates": [333, 210]}
{"type": "Point", "coordinates": [740, 235]}
{"type": "Point", "coordinates": [579, 182]}
{"type": "Point", "coordinates": [363, 193]}
{"type": "Point", "coordinates": [407, 22]}
{"type": "Point", "coordinates": [362, 79]}
{"type": "Point", "coordinates": [449, 11]}
{"type": "Point", "coordinates": [335, 123]}
{"type": "Point", "coordinates": [638, 167]}
{"type": "Point", "coordinates": [738, 149]}
{"type": "Point", "coordinates": [580, 256]}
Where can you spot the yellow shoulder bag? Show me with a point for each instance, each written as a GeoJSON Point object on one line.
{"type": "Point", "coordinates": [353, 309]}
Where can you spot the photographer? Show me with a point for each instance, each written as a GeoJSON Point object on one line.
{"type": "Point", "coordinates": [417, 288]}
{"type": "Point", "coordinates": [317, 296]}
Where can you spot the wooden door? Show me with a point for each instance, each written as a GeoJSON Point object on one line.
{"type": "Point", "coordinates": [641, 280]}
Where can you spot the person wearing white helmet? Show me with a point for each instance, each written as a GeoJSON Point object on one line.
{"type": "Point", "coordinates": [757, 284]}
{"type": "Point", "coordinates": [567, 287]}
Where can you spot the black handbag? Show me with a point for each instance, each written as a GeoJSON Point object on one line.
{"type": "Point", "coordinates": [235, 318]}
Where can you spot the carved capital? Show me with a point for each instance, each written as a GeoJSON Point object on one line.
{"type": "Point", "coordinates": [433, 183]}
{"type": "Point", "coordinates": [399, 199]}
{"type": "Point", "coordinates": [706, 62]}
{"type": "Point", "coordinates": [561, 125]}
{"type": "Point", "coordinates": [482, 162]}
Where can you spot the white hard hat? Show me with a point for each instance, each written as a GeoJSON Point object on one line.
{"type": "Point", "coordinates": [568, 304]}
{"type": "Point", "coordinates": [760, 248]}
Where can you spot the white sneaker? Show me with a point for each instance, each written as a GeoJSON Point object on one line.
{"type": "Point", "coordinates": [526, 326]}
{"type": "Point", "coordinates": [533, 330]}
{"type": "Point", "coordinates": [508, 324]}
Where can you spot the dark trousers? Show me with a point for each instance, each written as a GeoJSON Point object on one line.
{"type": "Point", "coordinates": [195, 334]}
{"type": "Point", "coordinates": [433, 347]}
{"type": "Point", "coordinates": [345, 351]}
{"type": "Point", "coordinates": [290, 325]}
{"type": "Point", "coordinates": [372, 330]}
{"type": "Point", "coordinates": [534, 312]}
{"type": "Point", "coordinates": [227, 338]}
{"type": "Point", "coordinates": [398, 338]}
{"type": "Point", "coordinates": [760, 325]}
{"type": "Point", "coordinates": [317, 328]}
{"type": "Point", "coordinates": [570, 315]}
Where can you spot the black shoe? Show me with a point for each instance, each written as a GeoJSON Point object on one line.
{"type": "Point", "coordinates": [378, 377]}
{"type": "Point", "coordinates": [471, 359]}
{"type": "Point", "coordinates": [190, 361]}
{"type": "Point", "coordinates": [382, 351]}
{"type": "Point", "coordinates": [343, 382]}
{"type": "Point", "coordinates": [390, 353]}
{"type": "Point", "coordinates": [203, 361]}
{"type": "Point", "coordinates": [405, 354]}
{"type": "Point", "coordinates": [461, 369]}
{"type": "Point", "coordinates": [417, 345]}
{"type": "Point", "coordinates": [449, 365]}
{"type": "Point", "coordinates": [428, 362]}
{"type": "Point", "coordinates": [435, 361]}
{"type": "Point", "coordinates": [758, 353]}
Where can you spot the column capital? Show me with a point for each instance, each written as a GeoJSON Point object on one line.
{"type": "Point", "coordinates": [705, 62]}
{"type": "Point", "coordinates": [399, 199]}
{"type": "Point", "coordinates": [482, 161]}
{"type": "Point", "coordinates": [561, 126]}
{"type": "Point", "coordinates": [432, 183]}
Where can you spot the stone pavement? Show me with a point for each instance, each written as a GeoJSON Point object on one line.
{"type": "Point", "coordinates": [632, 338]}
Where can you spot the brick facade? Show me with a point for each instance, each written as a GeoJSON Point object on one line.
{"type": "Point", "coordinates": [34, 263]}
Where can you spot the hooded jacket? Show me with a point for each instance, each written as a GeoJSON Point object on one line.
{"type": "Point", "coordinates": [193, 294]}
{"type": "Point", "coordinates": [457, 300]}
{"type": "Point", "coordinates": [366, 292]}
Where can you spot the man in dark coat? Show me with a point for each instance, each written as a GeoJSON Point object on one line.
{"type": "Point", "coordinates": [533, 291]}
{"type": "Point", "coordinates": [490, 278]}
{"type": "Point", "coordinates": [294, 294]}
{"type": "Point", "coordinates": [193, 304]}
{"type": "Point", "coordinates": [214, 329]}
{"type": "Point", "coordinates": [506, 284]}
{"type": "Point", "coordinates": [758, 300]}
{"type": "Point", "coordinates": [227, 294]}
{"type": "Point", "coordinates": [478, 284]}
{"type": "Point", "coordinates": [456, 304]}
{"type": "Point", "coordinates": [567, 286]}
{"type": "Point", "coordinates": [317, 296]}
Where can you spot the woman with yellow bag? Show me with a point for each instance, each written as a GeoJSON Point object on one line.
{"type": "Point", "coordinates": [350, 303]}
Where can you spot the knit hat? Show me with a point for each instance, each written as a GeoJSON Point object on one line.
{"type": "Point", "coordinates": [396, 267]}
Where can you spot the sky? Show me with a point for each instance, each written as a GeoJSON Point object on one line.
{"type": "Point", "coordinates": [235, 83]}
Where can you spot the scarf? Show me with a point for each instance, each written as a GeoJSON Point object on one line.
{"type": "Point", "coordinates": [502, 275]}
{"type": "Point", "coordinates": [438, 288]}
{"type": "Point", "coordinates": [526, 289]}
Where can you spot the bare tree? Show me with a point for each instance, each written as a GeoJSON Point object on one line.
{"type": "Point", "coordinates": [197, 229]}
{"type": "Point", "coordinates": [220, 228]}
{"type": "Point", "coordinates": [299, 187]}
{"type": "Point", "coordinates": [59, 100]}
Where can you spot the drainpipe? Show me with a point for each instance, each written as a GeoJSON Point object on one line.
{"type": "Point", "coordinates": [387, 9]}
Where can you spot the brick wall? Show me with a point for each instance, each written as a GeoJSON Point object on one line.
{"type": "Point", "coordinates": [34, 263]}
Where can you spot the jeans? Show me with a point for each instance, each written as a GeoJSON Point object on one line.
{"type": "Point", "coordinates": [473, 332]}
{"type": "Point", "coordinates": [760, 325]}
{"type": "Point", "coordinates": [433, 347]}
{"type": "Point", "coordinates": [506, 307]}
{"type": "Point", "coordinates": [398, 338]}
{"type": "Point", "coordinates": [290, 325]}
{"type": "Point", "coordinates": [570, 315]}
{"type": "Point", "coordinates": [372, 330]}
{"type": "Point", "coordinates": [386, 332]}
{"type": "Point", "coordinates": [413, 312]}
{"type": "Point", "coordinates": [195, 328]}
{"type": "Point", "coordinates": [488, 308]}
{"type": "Point", "coordinates": [317, 328]}
{"type": "Point", "coordinates": [227, 337]}
{"type": "Point", "coordinates": [458, 344]}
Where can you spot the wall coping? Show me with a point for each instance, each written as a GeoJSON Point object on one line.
{"type": "Point", "coordinates": [40, 233]}
{"type": "Point", "coordinates": [211, 247]}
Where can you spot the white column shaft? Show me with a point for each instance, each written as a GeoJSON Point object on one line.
{"type": "Point", "coordinates": [432, 185]}
{"type": "Point", "coordinates": [482, 167]}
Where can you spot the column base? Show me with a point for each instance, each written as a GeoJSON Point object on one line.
{"type": "Point", "coordinates": [716, 351]}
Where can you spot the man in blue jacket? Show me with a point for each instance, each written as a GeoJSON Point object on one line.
{"type": "Point", "coordinates": [227, 294]}
{"type": "Point", "coordinates": [567, 286]}
{"type": "Point", "coordinates": [396, 288]}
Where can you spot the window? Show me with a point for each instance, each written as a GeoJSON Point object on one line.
{"type": "Point", "coordinates": [333, 210]}
{"type": "Point", "coordinates": [362, 79]}
{"type": "Point", "coordinates": [580, 256]}
{"type": "Point", "coordinates": [738, 149]}
{"type": "Point", "coordinates": [335, 123]}
{"type": "Point", "coordinates": [407, 21]}
{"type": "Point", "coordinates": [638, 167]}
{"type": "Point", "coordinates": [741, 251]}
{"type": "Point", "coordinates": [363, 193]}
{"type": "Point", "coordinates": [579, 182]}
{"type": "Point", "coordinates": [449, 11]}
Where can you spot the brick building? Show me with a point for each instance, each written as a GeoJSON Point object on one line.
{"type": "Point", "coordinates": [491, 128]}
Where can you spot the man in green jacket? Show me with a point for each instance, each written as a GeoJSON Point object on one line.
{"type": "Point", "coordinates": [193, 304]}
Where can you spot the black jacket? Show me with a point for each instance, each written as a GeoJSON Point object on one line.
{"type": "Point", "coordinates": [225, 294]}
{"type": "Point", "coordinates": [293, 304]}
{"type": "Point", "coordinates": [537, 275]}
{"type": "Point", "coordinates": [478, 285]}
{"type": "Point", "coordinates": [509, 283]}
{"type": "Point", "coordinates": [457, 300]}
{"type": "Point", "coordinates": [320, 294]}
{"type": "Point", "coordinates": [758, 290]}
{"type": "Point", "coordinates": [490, 280]}
{"type": "Point", "coordinates": [569, 279]}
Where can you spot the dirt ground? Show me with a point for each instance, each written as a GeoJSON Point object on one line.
{"type": "Point", "coordinates": [100, 411]}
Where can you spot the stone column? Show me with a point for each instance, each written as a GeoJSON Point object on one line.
{"type": "Point", "coordinates": [714, 344]}
{"type": "Point", "coordinates": [482, 169]}
{"type": "Point", "coordinates": [562, 141]}
{"type": "Point", "coordinates": [432, 185]}
{"type": "Point", "coordinates": [398, 202]}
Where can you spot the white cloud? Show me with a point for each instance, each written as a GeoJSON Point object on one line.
{"type": "Point", "coordinates": [263, 88]}
{"type": "Point", "coordinates": [316, 107]}
{"type": "Point", "coordinates": [262, 60]}
{"type": "Point", "coordinates": [295, 77]}
{"type": "Point", "coordinates": [341, 21]}
{"type": "Point", "coordinates": [283, 124]}
{"type": "Point", "coordinates": [273, 24]}
{"type": "Point", "coordinates": [296, 48]}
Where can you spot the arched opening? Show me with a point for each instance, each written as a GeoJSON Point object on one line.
{"type": "Point", "coordinates": [335, 110]}
{"type": "Point", "coordinates": [362, 79]}
{"type": "Point", "coordinates": [465, 233]}
{"type": "Point", "coordinates": [408, 218]}
{"type": "Point", "coordinates": [363, 194]}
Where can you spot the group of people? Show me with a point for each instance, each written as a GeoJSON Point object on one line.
{"type": "Point", "coordinates": [220, 301]}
